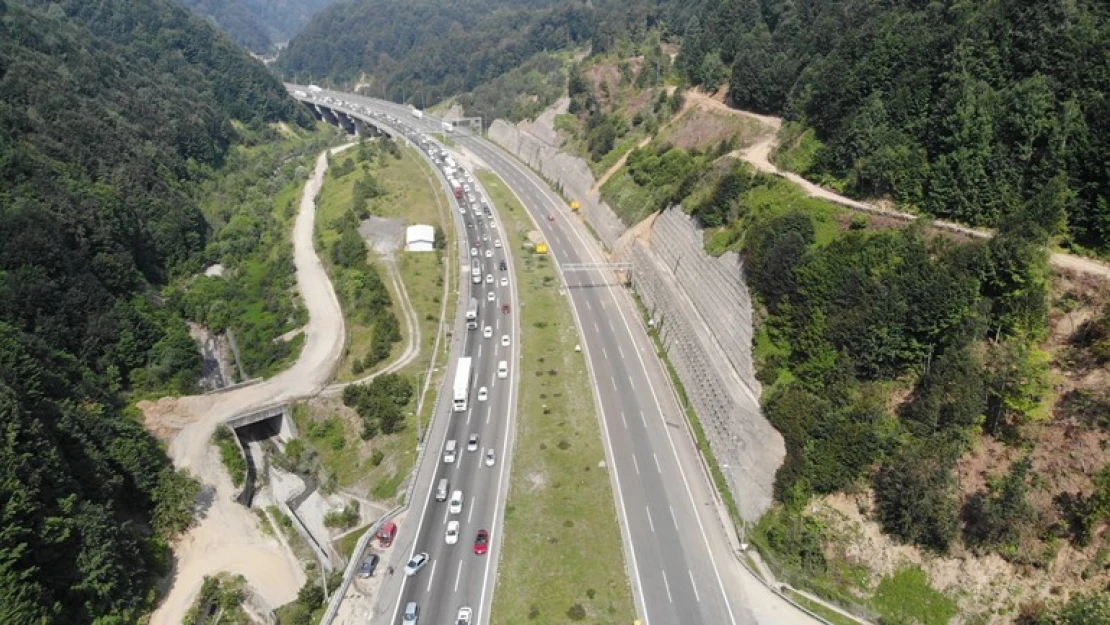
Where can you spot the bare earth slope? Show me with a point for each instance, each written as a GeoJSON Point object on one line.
{"type": "Point", "coordinates": [227, 536]}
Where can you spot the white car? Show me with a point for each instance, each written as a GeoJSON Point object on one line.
{"type": "Point", "coordinates": [464, 616]}
{"type": "Point", "coordinates": [489, 253]}
{"type": "Point", "coordinates": [504, 340]}
{"type": "Point", "coordinates": [472, 443]}
{"type": "Point", "coordinates": [473, 251]}
{"type": "Point", "coordinates": [485, 237]}
{"type": "Point", "coordinates": [493, 224]}
{"type": "Point", "coordinates": [449, 453]}
{"type": "Point", "coordinates": [491, 459]}
{"type": "Point", "coordinates": [455, 506]}
{"type": "Point", "coordinates": [487, 332]}
{"type": "Point", "coordinates": [452, 532]}
{"type": "Point", "coordinates": [489, 278]}
{"type": "Point", "coordinates": [416, 563]}
{"type": "Point", "coordinates": [491, 296]}
{"type": "Point", "coordinates": [497, 242]}
{"type": "Point", "coordinates": [483, 394]}
{"type": "Point", "coordinates": [504, 280]}
{"type": "Point", "coordinates": [503, 369]}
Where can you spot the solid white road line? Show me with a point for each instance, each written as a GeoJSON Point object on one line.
{"type": "Point", "coordinates": [431, 576]}
{"type": "Point", "coordinates": [458, 575]}
{"type": "Point", "coordinates": [651, 524]}
{"type": "Point", "coordinates": [667, 585]}
{"type": "Point", "coordinates": [594, 255]}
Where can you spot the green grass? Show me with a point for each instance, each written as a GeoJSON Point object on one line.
{"type": "Point", "coordinates": [444, 139]}
{"type": "Point", "coordinates": [558, 493]}
{"type": "Point", "coordinates": [830, 615]}
{"type": "Point", "coordinates": [798, 147]}
{"type": "Point", "coordinates": [907, 597]}
{"type": "Point", "coordinates": [346, 545]}
{"type": "Point", "coordinates": [412, 195]}
{"type": "Point", "coordinates": [230, 455]}
{"type": "Point", "coordinates": [775, 197]}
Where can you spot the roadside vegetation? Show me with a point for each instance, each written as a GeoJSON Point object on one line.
{"type": "Point", "coordinates": [230, 455]}
{"type": "Point", "coordinates": [365, 442]}
{"type": "Point", "coordinates": [251, 205]}
{"type": "Point", "coordinates": [220, 601]}
{"type": "Point", "coordinates": [352, 181]}
{"type": "Point", "coordinates": [560, 488]}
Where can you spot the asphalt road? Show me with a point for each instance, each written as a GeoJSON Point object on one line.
{"type": "Point", "coordinates": [455, 576]}
{"type": "Point", "coordinates": [677, 551]}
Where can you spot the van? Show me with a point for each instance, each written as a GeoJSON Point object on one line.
{"type": "Point", "coordinates": [449, 452]}
{"type": "Point", "coordinates": [502, 371]}
{"type": "Point", "coordinates": [441, 490]}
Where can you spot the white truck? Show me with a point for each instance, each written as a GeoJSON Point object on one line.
{"type": "Point", "coordinates": [447, 127]}
{"type": "Point", "coordinates": [462, 384]}
{"type": "Point", "coordinates": [314, 89]}
{"type": "Point", "coordinates": [472, 314]}
{"type": "Point", "coordinates": [300, 94]}
{"type": "Point", "coordinates": [417, 113]}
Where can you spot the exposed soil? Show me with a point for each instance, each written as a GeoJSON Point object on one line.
{"type": "Point", "coordinates": [227, 536]}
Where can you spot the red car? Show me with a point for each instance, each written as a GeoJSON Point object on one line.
{"type": "Point", "coordinates": [551, 217]}
{"type": "Point", "coordinates": [505, 308]}
{"type": "Point", "coordinates": [481, 542]}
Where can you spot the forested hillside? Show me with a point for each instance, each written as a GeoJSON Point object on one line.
{"type": "Point", "coordinates": [258, 25]}
{"type": "Point", "coordinates": [110, 112]}
{"type": "Point", "coordinates": [423, 51]}
{"type": "Point", "coordinates": [964, 110]}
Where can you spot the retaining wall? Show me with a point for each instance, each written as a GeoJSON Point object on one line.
{"type": "Point", "coordinates": [569, 174]}
{"type": "Point", "coordinates": [702, 310]}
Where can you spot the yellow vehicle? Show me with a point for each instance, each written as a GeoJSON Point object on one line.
{"type": "Point", "coordinates": [541, 248]}
{"type": "Point", "coordinates": [574, 205]}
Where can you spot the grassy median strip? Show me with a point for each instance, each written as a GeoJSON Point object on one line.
{"type": "Point", "coordinates": [562, 559]}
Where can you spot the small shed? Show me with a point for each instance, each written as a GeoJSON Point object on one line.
{"type": "Point", "coordinates": [420, 238]}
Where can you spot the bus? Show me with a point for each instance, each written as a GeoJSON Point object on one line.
{"type": "Point", "coordinates": [462, 384]}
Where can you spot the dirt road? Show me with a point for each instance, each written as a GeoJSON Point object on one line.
{"type": "Point", "coordinates": [758, 155]}
{"type": "Point", "coordinates": [227, 536]}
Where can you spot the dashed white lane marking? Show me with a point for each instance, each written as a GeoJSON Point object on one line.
{"type": "Point", "coordinates": [657, 468]}
{"type": "Point", "coordinates": [458, 576]}
{"type": "Point", "coordinates": [650, 523]}
{"type": "Point", "coordinates": [635, 464]}
{"type": "Point", "coordinates": [605, 353]}
{"type": "Point", "coordinates": [432, 576]}
{"type": "Point", "coordinates": [667, 585]}
{"type": "Point", "coordinates": [697, 597]}
{"type": "Point", "coordinates": [623, 420]}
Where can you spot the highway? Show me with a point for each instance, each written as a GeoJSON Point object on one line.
{"type": "Point", "coordinates": [677, 551]}
{"type": "Point", "coordinates": [455, 576]}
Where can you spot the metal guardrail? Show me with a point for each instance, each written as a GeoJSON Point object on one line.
{"type": "Point", "coordinates": [352, 565]}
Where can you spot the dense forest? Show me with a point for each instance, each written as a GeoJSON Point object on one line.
{"type": "Point", "coordinates": [964, 110]}
{"type": "Point", "coordinates": [425, 51]}
{"type": "Point", "coordinates": [258, 25]}
{"type": "Point", "coordinates": [110, 112]}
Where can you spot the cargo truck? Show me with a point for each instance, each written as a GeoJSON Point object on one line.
{"type": "Point", "coordinates": [417, 113]}
{"type": "Point", "coordinates": [462, 384]}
